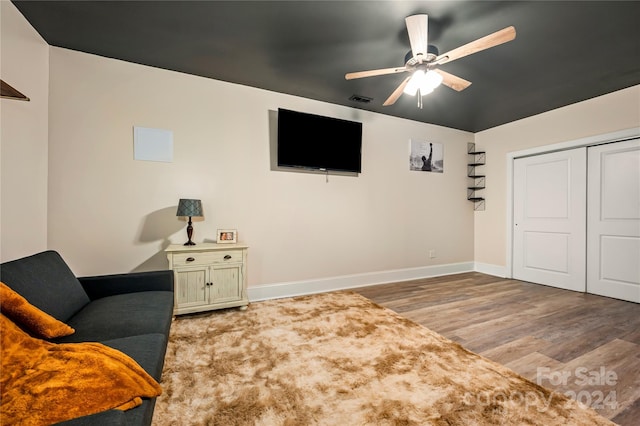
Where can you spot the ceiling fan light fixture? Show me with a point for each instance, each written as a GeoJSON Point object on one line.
{"type": "Point", "coordinates": [425, 90]}
{"type": "Point", "coordinates": [425, 82]}
{"type": "Point", "coordinates": [414, 83]}
{"type": "Point", "coordinates": [432, 79]}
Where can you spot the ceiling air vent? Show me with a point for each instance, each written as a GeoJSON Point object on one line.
{"type": "Point", "coordinates": [359, 98]}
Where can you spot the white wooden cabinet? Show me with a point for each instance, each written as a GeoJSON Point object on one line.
{"type": "Point", "coordinates": [208, 276]}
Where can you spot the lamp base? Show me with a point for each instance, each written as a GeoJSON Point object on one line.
{"type": "Point", "coordinates": [189, 234]}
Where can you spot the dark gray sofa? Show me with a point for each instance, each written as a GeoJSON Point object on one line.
{"type": "Point", "coordinates": [129, 312]}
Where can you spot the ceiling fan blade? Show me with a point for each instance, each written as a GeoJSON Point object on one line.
{"type": "Point", "coordinates": [372, 73]}
{"type": "Point", "coordinates": [396, 93]}
{"type": "Point", "coordinates": [417, 27]}
{"type": "Point", "coordinates": [455, 82]}
{"type": "Point", "coordinates": [494, 39]}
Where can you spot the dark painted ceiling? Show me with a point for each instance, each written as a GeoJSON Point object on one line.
{"type": "Point", "coordinates": [565, 52]}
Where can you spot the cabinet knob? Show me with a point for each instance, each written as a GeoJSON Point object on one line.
{"type": "Point", "coordinates": [190, 259]}
{"type": "Point", "coordinates": [227, 257]}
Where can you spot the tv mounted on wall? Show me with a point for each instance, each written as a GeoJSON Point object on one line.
{"type": "Point", "coordinates": [315, 142]}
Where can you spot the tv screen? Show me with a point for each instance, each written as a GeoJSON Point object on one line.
{"type": "Point", "coordinates": [315, 142]}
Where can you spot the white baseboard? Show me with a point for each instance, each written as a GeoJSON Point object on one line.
{"type": "Point", "coordinates": [486, 268]}
{"type": "Point", "coordinates": [322, 285]}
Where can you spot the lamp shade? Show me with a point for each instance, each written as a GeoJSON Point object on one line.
{"type": "Point", "coordinates": [188, 207]}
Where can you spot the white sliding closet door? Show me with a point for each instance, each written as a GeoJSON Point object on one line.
{"type": "Point", "coordinates": [549, 203]}
{"type": "Point", "coordinates": [613, 228]}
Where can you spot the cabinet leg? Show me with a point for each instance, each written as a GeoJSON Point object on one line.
{"type": "Point", "coordinates": [244, 308]}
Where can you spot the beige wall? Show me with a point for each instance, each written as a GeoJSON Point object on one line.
{"type": "Point", "coordinates": [69, 181]}
{"type": "Point", "coordinates": [605, 114]}
{"type": "Point", "coordinates": [109, 213]}
{"type": "Point", "coordinates": [24, 64]}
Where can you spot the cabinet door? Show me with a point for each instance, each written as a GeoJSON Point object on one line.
{"type": "Point", "coordinates": [227, 283]}
{"type": "Point", "coordinates": [191, 289]}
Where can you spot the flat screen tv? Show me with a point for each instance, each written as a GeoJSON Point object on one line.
{"type": "Point", "coordinates": [315, 142]}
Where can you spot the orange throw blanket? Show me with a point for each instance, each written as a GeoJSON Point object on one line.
{"type": "Point", "coordinates": [43, 383]}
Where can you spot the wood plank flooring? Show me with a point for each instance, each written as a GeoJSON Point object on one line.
{"type": "Point", "coordinates": [585, 345]}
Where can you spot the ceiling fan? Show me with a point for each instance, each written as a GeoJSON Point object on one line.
{"type": "Point", "coordinates": [423, 59]}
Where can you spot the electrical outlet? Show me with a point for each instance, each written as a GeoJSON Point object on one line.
{"type": "Point", "coordinates": [432, 254]}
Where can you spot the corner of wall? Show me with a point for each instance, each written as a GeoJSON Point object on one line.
{"type": "Point", "coordinates": [23, 137]}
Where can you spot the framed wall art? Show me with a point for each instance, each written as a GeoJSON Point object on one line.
{"type": "Point", "coordinates": [426, 156]}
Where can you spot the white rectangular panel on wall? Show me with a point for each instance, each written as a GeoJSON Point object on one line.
{"type": "Point", "coordinates": [613, 228]}
{"type": "Point", "coordinates": [549, 195]}
{"type": "Point", "coordinates": [152, 144]}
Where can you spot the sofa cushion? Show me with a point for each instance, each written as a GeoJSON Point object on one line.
{"type": "Point", "coordinates": [45, 280]}
{"type": "Point", "coordinates": [105, 418]}
{"type": "Point", "coordinates": [122, 315]}
{"type": "Point", "coordinates": [147, 350]}
{"type": "Point", "coordinates": [44, 382]}
{"type": "Point", "coordinates": [141, 415]}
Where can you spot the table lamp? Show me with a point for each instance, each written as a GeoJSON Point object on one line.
{"type": "Point", "coordinates": [190, 208]}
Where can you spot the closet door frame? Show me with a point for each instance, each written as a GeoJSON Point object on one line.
{"type": "Point", "coordinates": [577, 143]}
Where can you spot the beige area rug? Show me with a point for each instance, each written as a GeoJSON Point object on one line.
{"type": "Point", "coordinates": [339, 359]}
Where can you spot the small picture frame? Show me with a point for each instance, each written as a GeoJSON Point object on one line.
{"type": "Point", "coordinates": [227, 236]}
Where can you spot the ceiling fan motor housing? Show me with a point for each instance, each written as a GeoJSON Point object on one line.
{"type": "Point", "coordinates": [432, 53]}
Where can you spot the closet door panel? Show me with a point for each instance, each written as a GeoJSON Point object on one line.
{"type": "Point", "coordinates": [613, 227]}
{"type": "Point", "coordinates": [550, 219]}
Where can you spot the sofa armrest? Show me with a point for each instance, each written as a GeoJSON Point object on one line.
{"type": "Point", "coordinates": [110, 285]}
